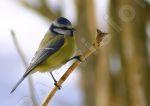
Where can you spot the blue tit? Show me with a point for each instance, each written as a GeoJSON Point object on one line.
{"type": "Point", "coordinates": [57, 46]}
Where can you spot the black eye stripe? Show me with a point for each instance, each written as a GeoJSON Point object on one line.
{"type": "Point", "coordinates": [56, 32]}
{"type": "Point", "coordinates": [64, 28]}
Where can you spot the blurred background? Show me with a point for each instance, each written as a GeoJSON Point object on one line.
{"type": "Point", "coordinates": [116, 75]}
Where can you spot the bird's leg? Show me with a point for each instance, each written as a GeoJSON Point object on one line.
{"type": "Point", "coordinates": [55, 81]}
{"type": "Point", "coordinates": [75, 57]}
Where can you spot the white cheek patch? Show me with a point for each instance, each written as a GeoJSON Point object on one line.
{"type": "Point", "coordinates": [60, 31]}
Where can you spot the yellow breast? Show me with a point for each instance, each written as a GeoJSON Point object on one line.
{"type": "Point", "coordinates": [57, 59]}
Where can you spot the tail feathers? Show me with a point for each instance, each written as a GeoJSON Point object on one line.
{"type": "Point", "coordinates": [18, 83]}
{"type": "Point", "coordinates": [23, 77]}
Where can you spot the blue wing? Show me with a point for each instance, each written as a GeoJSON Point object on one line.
{"type": "Point", "coordinates": [54, 45]}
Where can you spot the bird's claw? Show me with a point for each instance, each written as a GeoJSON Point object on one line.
{"type": "Point", "coordinates": [56, 84]}
{"type": "Point", "coordinates": [78, 57]}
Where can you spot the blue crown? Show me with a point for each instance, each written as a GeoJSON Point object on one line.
{"type": "Point", "coordinates": [63, 21]}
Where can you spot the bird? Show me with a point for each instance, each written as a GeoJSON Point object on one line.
{"type": "Point", "coordinates": [56, 48]}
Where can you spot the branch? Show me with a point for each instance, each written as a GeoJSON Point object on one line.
{"type": "Point", "coordinates": [24, 60]}
{"type": "Point", "coordinates": [18, 48]}
{"type": "Point", "coordinates": [42, 9]}
{"type": "Point", "coordinates": [85, 55]}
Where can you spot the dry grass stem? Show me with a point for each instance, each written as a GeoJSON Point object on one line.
{"type": "Point", "coordinates": [23, 58]}
{"type": "Point", "coordinates": [85, 55]}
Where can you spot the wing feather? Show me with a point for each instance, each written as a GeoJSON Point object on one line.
{"type": "Point", "coordinates": [54, 44]}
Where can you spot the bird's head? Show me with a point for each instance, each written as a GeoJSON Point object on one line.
{"type": "Point", "coordinates": [62, 26]}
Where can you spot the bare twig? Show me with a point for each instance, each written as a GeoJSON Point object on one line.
{"type": "Point", "coordinates": [20, 52]}
{"type": "Point", "coordinates": [19, 49]}
{"type": "Point", "coordinates": [42, 9]}
{"type": "Point", "coordinates": [85, 55]}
